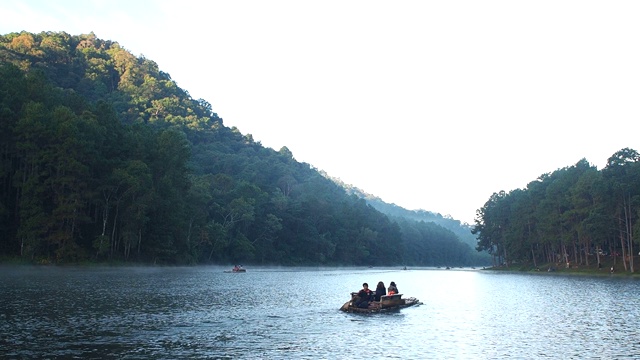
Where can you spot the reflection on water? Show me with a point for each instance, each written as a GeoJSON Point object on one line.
{"type": "Point", "coordinates": [202, 312]}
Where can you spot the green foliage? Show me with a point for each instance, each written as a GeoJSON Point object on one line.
{"type": "Point", "coordinates": [104, 158]}
{"type": "Point", "coordinates": [572, 215]}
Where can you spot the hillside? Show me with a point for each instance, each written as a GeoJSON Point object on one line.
{"type": "Point", "coordinates": [461, 231]}
{"type": "Point", "coordinates": [105, 158]}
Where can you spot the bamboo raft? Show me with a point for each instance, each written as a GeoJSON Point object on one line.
{"type": "Point", "coordinates": [386, 303]}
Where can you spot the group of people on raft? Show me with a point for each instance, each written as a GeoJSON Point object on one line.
{"type": "Point", "coordinates": [366, 296]}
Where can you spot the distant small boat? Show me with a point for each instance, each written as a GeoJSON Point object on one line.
{"type": "Point", "coordinates": [236, 270]}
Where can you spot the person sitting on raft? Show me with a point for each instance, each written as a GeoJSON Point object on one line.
{"type": "Point", "coordinates": [364, 296]}
{"type": "Point", "coordinates": [393, 289]}
{"type": "Point", "coordinates": [380, 291]}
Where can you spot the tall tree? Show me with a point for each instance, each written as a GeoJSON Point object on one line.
{"type": "Point", "coordinates": [623, 171]}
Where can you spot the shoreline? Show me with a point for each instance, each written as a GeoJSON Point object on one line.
{"type": "Point", "coordinates": [558, 269]}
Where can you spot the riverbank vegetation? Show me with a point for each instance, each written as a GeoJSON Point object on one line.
{"type": "Point", "coordinates": [577, 215]}
{"type": "Point", "coordinates": [104, 158]}
{"type": "Point", "coordinates": [609, 266]}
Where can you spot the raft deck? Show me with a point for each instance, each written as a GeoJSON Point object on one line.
{"type": "Point", "coordinates": [386, 303]}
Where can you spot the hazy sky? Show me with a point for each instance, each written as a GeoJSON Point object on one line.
{"type": "Point", "coordinates": [430, 105]}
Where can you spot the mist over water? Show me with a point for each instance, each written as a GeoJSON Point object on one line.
{"type": "Point", "coordinates": [278, 313]}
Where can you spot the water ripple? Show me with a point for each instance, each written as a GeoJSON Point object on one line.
{"type": "Point", "coordinates": [169, 313]}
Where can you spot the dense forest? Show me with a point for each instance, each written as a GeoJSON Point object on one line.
{"type": "Point", "coordinates": [427, 221]}
{"type": "Point", "coordinates": [575, 215]}
{"type": "Point", "coordinates": [104, 158]}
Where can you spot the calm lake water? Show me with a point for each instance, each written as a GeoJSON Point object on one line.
{"type": "Point", "coordinates": [268, 313]}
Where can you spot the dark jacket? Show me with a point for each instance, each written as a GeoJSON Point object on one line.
{"type": "Point", "coordinates": [365, 295]}
{"type": "Point", "coordinates": [363, 298]}
{"type": "Point", "coordinates": [380, 290]}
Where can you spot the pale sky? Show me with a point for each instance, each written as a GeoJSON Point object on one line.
{"type": "Point", "coordinates": [430, 105]}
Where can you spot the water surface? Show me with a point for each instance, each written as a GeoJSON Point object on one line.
{"type": "Point", "coordinates": [268, 313]}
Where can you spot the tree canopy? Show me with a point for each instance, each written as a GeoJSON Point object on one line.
{"type": "Point", "coordinates": [104, 158]}
{"type": "Point", "coordinates": [576, 214]}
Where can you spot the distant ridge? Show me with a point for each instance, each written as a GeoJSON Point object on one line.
{"type": "Point", "coordinates": [459, 228]}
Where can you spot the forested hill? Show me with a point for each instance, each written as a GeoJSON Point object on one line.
{"type": "Point", "coordinates": [104, 158]}
{"type": "Point", "coordinates": [461, 230]}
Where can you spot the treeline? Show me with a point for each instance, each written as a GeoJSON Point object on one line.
{"type": "Point", "coordinates": [104, 158]}
{"type": "Point", "coordinates": [432, 226]}
{"type": "Point", "coordinates": [574, 215]}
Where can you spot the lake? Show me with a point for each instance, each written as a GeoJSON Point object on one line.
{"type": "Point", "coordinates": [284, 313]}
